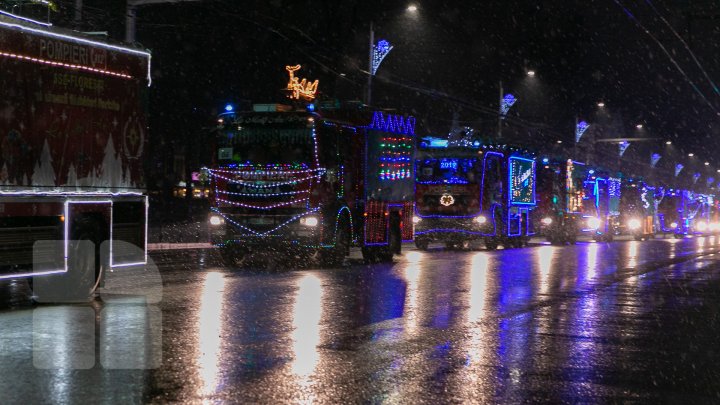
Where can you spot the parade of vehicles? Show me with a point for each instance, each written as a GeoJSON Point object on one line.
{"type": "Point", "coordinates": [313, 181]}
{"type": "Point", "coordinates": [73, 132]}
{"type": "Point", "coordinates": [473, 192]}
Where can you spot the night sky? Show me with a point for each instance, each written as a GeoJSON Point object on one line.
{"type": "Point", "coordinates": [651, 62]}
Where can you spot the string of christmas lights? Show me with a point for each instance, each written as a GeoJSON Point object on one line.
{"type": "Point", "coordinates": [263, 207]}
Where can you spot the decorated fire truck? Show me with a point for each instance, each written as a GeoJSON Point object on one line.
{"type": "Point", "coordinates": [72, 136]}
{"type": "Point", "coordinates": [312, 181]}
{"type": "Point", "coordinates": [639, 205]}
{"type": "Point", "coordinates": [575, 199]}
{"type": "Point", "coordinates": [447, 194]}
{"type": "Point", "coordinates": [484, 192]}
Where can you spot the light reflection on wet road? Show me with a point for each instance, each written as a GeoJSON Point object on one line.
{"type": "Point", "coordinates": [625, 321]}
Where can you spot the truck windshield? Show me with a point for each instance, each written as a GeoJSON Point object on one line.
{"type": "Point", "coordinates": [447, 170]}
{"type": "Point", "coordinates": [263, 145]}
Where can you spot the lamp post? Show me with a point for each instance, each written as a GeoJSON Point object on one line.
{"type": "Point", "coordinates": [377, 52]}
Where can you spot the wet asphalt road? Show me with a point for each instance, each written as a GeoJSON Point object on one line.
{"type": "Point", "coordinates": [630, 322]}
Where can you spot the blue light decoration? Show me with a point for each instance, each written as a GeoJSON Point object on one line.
{"type": "Point", "coordinates": [678, 169]}
{"type": "Point", "coordinates": [521, 181]}
{"type": "Point", "coordinates": [507, 102]}
{"type": "Point", "coordinates": [546, 160]}
{"type": "Point", "coordinates": [229, 107]}
{"type": "Point", "coordinates": [448, 164]}
{"type": "Point", "coordinates": [380, 50]}
{"type": "Point", "coordinates": [623, 147]}
{"type": "Point", "coordinates": [696, 177]}
{"type": "Point", "coordinates": [614, 187]}
{"type": "Point", "coordinates": [395, 151]}
{"type": "Point", "coordinates": [654, 158]}
{"type": "Point", "coordinates": [710, 180]}
{"type": "Point", "coordinates": [310, 107]}
{"type": "Point", "coordinates": [580, 129]}
{"type": "Point", "coordinates": [393, 123]}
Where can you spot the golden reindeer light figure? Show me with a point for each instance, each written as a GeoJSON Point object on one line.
{"type": "Point", "coordinates": [300, 88]}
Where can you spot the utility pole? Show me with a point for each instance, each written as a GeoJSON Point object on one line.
{"type": "Point", "coordinates": [500, 111]}
{"type": "Point", "coordinates": [368, 96]}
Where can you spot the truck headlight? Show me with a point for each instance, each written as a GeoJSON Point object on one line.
{"type": "Point", "coordinates": [593, 222]}
{"type": "Point", "coordinates": [309, 221]}
{"type": "Point", "coordinates": [634, 224]}
{"type": "Point", "coordinates": [714, 226]}
{"type": "Point", "coordinates": [216, 220]}
{"type": "Point", "coordinates": [702, 226]}
{"type": "Point", "coordinates": [480, 219]}
{"type": "Point", "coordinates": [673, 225]}
{"type": "Point", "coordinates": [546, 221]}
{"type": "Point", "coordinates": [416, 219]}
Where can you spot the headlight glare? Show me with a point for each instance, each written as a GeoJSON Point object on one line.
{"type": "Point", "coordinates": [634, 224]}
{"type": "Point", "coordinates": [480, 219]}
{"type": "Point", "coordinates": [216, 220]}
{"type": "Point", "coordinates": [593, 223]}
{"type": "Point", "coordinates": [309, 221]}
{"type": "Point", "coordinates": [547, 221]}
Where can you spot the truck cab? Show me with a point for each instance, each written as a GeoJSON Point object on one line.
{"type": "Point", "coordinates": [312, 182]}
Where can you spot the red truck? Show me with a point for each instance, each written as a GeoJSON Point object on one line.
{"type": "Point", "coordinates": [312, 182]}
{"type": "Point", "coordinates": [72, 136]}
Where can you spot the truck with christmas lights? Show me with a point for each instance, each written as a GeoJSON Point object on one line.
{"type": "Point", "coordinates": [312, 181]}
{"type": "Point", "coordinates": [72, 140]}
{"type": "Point", "coordinates": [639, 205]}
{"type": "Point", "coordinates": [485, 192]}
{"type": "Point", "coordinates": [575, 200]}
{"type": "Point", "coordinates": [447, 194]}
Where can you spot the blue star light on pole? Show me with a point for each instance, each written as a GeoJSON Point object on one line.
{"type": "Point", "coordinates": [582, 126]}
{"type": "Point", "coordinates": [507, 102]}
{"type": "Point", "coordinates": [623, 147]}
{"type": "Point", "coordinates": [654, 159]}
{"type": "Point", "coordinates": [380, 51]}
{"type": "Point", "coordinates": [678, 168]}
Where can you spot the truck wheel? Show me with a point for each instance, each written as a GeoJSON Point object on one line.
{"type": "Point", "coordinates": [335, 256]}
{"type": "Point", "coordinates": [491, 244]}
{"type": "Point", "coordinates": [451, 245]}
{"type": "Point", "coordinates": [85, 268]}
{"type": "Point", "coordinates": [231, 255]}
{"type": "Point", "coordinates": [421, 244]}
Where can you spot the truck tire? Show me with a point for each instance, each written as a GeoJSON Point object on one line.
{"type": "Point", "coordinates": [85, 271]}
{"type": "Point", "coordinates": [230, 255]}
{"type": "Point", "coordinates": [491, 244]}
{"type": "Point", "coordinates": [335, 256]}
{"type": "Point", "coordinates": [421, 244]}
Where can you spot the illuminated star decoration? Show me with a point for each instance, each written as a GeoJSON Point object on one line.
{"type": "Point", "coordinates": [379, 52]}
{"type": "Point", "coordinates": [678, 168]}
{"type": "Point", "coordinates": [623, 147]}
{"type": "Point", "coordinates": [582, 126]}
{"type": "Point", "coordinates": [654, 159]}
{"type": "Point", "coordinates": [507, 102]}
{"type": "Point", "coordinates": [447, 200]}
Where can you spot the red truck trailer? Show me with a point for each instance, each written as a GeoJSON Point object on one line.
{"type": "Point", "coordinates": [312, 182]}
{"type": "Point", "coordinates": [72, 136]}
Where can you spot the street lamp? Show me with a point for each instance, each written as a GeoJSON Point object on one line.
{"type": "Point", "coordinates": [639, 126]}
{"type": "Point", "coordinates": [531, 73]}
{"type": "Point", "coordinates": [377, 52]}
{"type": "Point", "coordinates": [601, 104]}
{"type": "Point", "coordinates": [668, 143]}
